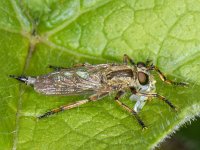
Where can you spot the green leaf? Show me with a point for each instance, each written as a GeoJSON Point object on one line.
{"type": "Point", "coordinates": [35, 34]}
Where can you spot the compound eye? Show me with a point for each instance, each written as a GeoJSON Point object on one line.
{"type": "Point", "coordinates": [143, 78]}
{"type": "Point", "coordinates": [141, 64]}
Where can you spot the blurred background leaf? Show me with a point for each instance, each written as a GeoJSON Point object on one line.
{"type": "Point", "coordinates": [35, 34]}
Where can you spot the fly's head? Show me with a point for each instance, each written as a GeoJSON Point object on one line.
{"type": "Point", "coordinates": [144, 79]}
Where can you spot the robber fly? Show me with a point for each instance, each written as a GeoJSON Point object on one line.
{"type": "Point", "coordinates": [99, 81]}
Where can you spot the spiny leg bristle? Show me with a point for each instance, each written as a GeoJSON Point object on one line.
{"type": "Point", "coordinates": [142, 124]}
{"type": "Point", "coordinates": [47, 114]}
{"type": "Point", "coordinates": [184, 84]}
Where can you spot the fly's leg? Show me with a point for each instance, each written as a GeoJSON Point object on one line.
{"type": "Point", "coordinates": [119, 94]}
{"type": "Point", "coordinates": [161, 98]}
{"type": "Point", "coordinates": [126, 58]}
{"type": "Point", "coordinates": [56, 68]}
{"type": "Point", "coordinates": [98, 96]}
{"type": "Point", "coordinates": [94, 97]}
{"type": "Point", "coordinates": [148, 62]}
{"type": "Point", "coordinates": [62, 108]}
{"type": "Point", "coordinates": [164, 78]}
{"type": "Point", "coordinates": [82, 65]}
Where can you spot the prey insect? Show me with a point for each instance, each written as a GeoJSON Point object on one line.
{"type": "Point", "coordinates": [99, 81]}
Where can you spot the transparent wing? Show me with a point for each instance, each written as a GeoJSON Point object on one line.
{"type": "Point", "coordinates": [71, 81]}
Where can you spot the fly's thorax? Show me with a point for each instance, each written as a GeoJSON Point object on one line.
{"type": "Point", "coordinates": [120, 76]}
{"type": "Point", "coordinates": [119, 83]}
